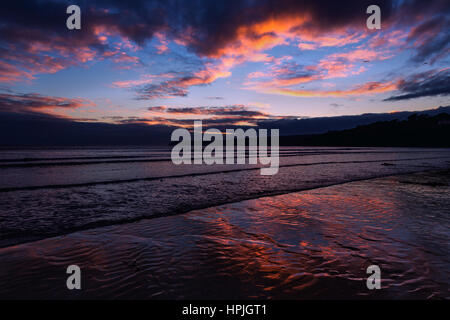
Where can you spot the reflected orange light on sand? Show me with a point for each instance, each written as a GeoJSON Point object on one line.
{"type": "Point", "coordinates": [297, 237]}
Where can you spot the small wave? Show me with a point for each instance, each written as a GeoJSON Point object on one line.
{"type": "Point", "coordinates": [53, 186]}
{"type": "Point", "coordinates": [76, 161]}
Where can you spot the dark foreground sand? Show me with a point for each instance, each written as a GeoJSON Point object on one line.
{"type": "Point", "coordinates": [303, 245]}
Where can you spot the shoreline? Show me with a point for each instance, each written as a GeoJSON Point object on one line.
{"type": "Point", "coordinates": [4, 243]}
{"type": "Point", "coordinates": [221, 240]}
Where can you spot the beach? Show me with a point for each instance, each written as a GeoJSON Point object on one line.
{"type": "Point", "coordinates": [224, 159]}
{"type": "Point", "coordinates": [312, 244]}
{"type": "Point", "coordinates": [51, 192]}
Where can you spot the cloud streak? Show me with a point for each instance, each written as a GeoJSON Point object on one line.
{"type": "Point", "coordinates": [37, 103]}
{"type": "Point", "coordinates": [368, 88]}
{"type": "Point", "coordinates": [425, 84]}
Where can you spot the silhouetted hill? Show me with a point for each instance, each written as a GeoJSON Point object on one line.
{"type": "Point", "coordinates": [320, 125]}
{"type": "Point", "coordinates": [418, 130]}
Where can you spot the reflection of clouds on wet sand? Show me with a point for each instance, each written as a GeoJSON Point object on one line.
{"type": "Point", "coordinates": [38, 202]}
{"type": "Point", "coordinates": [312, 244]}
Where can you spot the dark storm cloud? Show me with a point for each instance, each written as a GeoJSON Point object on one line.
{"type": "Point", "coordinates": [24, 22]}
{"type": "Point", "coordinates": [209, 25]}
{"type": "Point", "coordinates": [425, 84]}
{"type": "Point", "coordinates": [215, 24]}
{"type": "Point", "coordinates": [206, 26]}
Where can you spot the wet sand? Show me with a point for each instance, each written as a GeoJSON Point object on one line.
{"type": "Point", "coordinates": [312, 244]}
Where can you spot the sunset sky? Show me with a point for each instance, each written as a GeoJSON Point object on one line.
{"type": "Point", "coordinates": [168, 62]}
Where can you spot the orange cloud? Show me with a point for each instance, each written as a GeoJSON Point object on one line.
{"type": "Point", "coordinates": [388, 39]}
{"type": "Point", "coordinates": [359, 55]}
{"type": "Point", "coordinates": [365, 89]}
{"type": "Point", "coordinates": [312, 40]}
{"type": "Point", "coordinates": [11, 73]}
{"type": "Point", "coordinates": [145, 79]}
{"type": "Point", "coordinates": [338, 65]}
{"type": "Point", "coordinates": [163, 43]}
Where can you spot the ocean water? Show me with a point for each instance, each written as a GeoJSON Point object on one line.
{"type": "Point", "coordinates": [56, 191]}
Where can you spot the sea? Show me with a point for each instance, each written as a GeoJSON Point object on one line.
{"type": "Point", "coordinates": [142, 227]}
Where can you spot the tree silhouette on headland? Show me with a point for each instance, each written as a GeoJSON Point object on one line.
{"type": "Point", "coordinates": [416, 131]}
